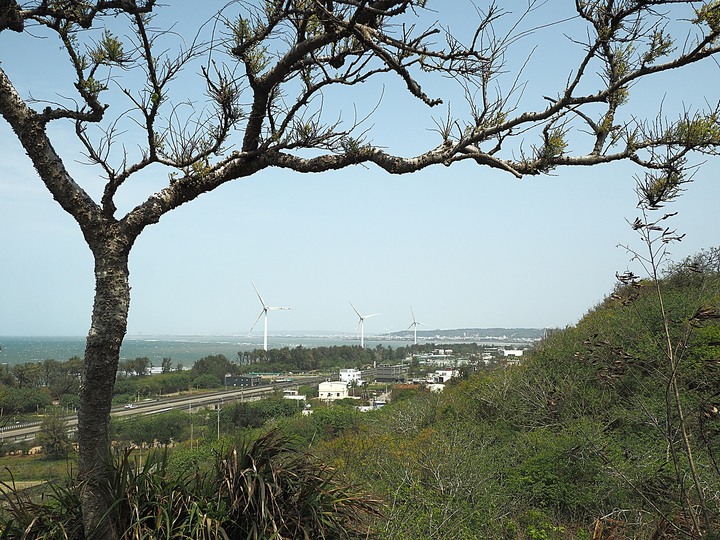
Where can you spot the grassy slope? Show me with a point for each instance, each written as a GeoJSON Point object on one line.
{"type": "Point", "coordinates": [581, 432]}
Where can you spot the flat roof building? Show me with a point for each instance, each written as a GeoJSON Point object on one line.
{"type": "Point", "coordinates": [242, 380]}
{"type": "Point", "coordinates": [396, 373]}
{"type": "Point", "coordinates": [332, 390]}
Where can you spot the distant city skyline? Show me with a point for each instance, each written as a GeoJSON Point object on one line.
{"type": "Point", "coordinates": [466, 246]}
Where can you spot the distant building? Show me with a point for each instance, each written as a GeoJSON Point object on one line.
{"type": "Point", "coordinates": [395, 374]}
{"type": "Point", "coordinates": [294, 395]}
{"type": "Point", "coordinates": [440, 357]}
{"type": "Point", "coordinates": [368, 374]}
{"type": "Point", "coordinates": [351, 375]}
{"type": "Point", "coordinates": [332, 390]}
{"type": "Point", "coordinates": [512, 352]}
{"type": "Point", "coordinates": [374, 405]}
{"type": "Point", "coordinates": [441, 376]}
{"type": "Point", "coordinates": [242, 381]}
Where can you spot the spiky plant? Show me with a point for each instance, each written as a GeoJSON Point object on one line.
{"type": "Point", "coordinates": [262, 489]}
{"type": "Point", "coordinates": [273, 491]}
{"type": "Point", "coordinates": [55, 516]}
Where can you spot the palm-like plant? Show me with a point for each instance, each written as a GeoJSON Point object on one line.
{"type": "Point", "coordinates": [262, 489]}
{"type": "Point", "coordinates": [272, 491]}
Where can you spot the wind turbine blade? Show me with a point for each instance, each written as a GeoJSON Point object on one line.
{"type": "Point", "coordinates": [260, 297]}
{"type": "Point", "coordinates": [413, 314]}
{"type": "Point", "coordinates": [256, 320]}
{"type": "Point", "coordinates": [373, 315]}
{"type": "Point", "coordinates": [278, 308]}
{"type": "Point", "coordinates": [355, 310]}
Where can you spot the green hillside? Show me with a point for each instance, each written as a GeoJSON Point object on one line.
{"type": "Point", "coordinates": [583, 440]}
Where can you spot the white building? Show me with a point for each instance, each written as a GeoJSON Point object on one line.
{"type": "Point", "coordinates": [294, 395]}
{"type": "Point", "coordinates": [332, 390]}
{"type": "Point", "coordinates": [350, 375]}
{"type": "Point", "coordinates": [441, 376]}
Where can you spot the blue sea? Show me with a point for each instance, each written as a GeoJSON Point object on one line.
{"type": "Point", "coordinates": [181, 349]}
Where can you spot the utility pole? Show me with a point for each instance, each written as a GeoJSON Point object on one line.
{"type": "Point", "coordinates": [218, 419]}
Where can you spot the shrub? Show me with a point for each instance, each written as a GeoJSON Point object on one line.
{"type": "Point", "coordinates": [207, 380]}
{"type": "Point", "coordinates": [259, 489]}
{"type": "Point", "coordinates": [53, 436]}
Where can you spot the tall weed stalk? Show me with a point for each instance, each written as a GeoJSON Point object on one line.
{"type": "Point", "coordinates": [654, 191]}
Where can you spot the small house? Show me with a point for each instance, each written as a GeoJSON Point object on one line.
{"type": "Point", "coordinates": [333, 390]}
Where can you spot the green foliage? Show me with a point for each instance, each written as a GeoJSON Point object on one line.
{"type": "Point", "coordinates": [91, 86]}
{"type": "Point", "coordinates": [333, 421]}
{"type": "Point", "coordinates": [53, 435]}
{"type": "Point", "coordinates": [697, 131]}
{"type": "Point", "coordinates": [270, 488]}
{"type": "Point", "coordinates": [109, 50]}
{"type": "Point", "coordinates": [709, 14]}
{"type": "Point", "coordinates": [300, 358]}
{"type": "Point", "coordinates": [56, 517]}
{"type": "Point", "coordinates": [247, 45]}
{"type": "Point", "coordinates": [128, 388]}
{"type": "Point", "coordinates": [539, 526]}
{"type": "Point", "coordinates": [143, 429]}
{"type": "Point", "coordinates": [556, 472]}
{"type": "Point", "coordinates": [541, 450]}
{"type": "Point", "coordinates": [257, 490]}
{"type": "Point", "coordinates": [138, 366]}
{"type": "Point", "coordinates": [206, 380]}
{"type": "Point", "coordinates": [256, 413]}
{"type": "Point", "coordinates": [216, 365]}
{"type": "Point", "coordinates": [309, 391]}
{"type": "Point", "coordinates": [554, 145]}
{"type": "Point", "coordinates": [661, 44]}
{"type": "Point", "coordinates": [23, 400]}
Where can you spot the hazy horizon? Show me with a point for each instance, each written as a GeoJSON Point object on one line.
{"type": "Point", "coordinates": [280, 333]}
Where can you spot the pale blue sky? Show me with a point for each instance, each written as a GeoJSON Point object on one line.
{"type": "Point", "coordinates": [465, 246]}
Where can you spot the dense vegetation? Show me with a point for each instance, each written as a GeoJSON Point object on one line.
{"type": "Point", "coordinates": [584, 439]}
{"type": "Point", "coordinates": [255, 489]}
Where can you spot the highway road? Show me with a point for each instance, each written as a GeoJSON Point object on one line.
{"type": "Point", "coordinates": [187, 402]}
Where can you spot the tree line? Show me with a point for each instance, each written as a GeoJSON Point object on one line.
{"type": "Point", "coordinates": [32, 386]}
{"type": "Point", "coordinates": [298, 359]}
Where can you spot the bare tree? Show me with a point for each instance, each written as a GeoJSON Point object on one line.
{"type": "Point", "coordinates": [269, 69]}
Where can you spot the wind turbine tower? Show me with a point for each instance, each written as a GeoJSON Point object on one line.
{"type": "Point", "coordinates": [264, 312]}
{"type": "Point", "coordinates": [415, 324]}
{"type": "Point", "coordinates": [361, 324]}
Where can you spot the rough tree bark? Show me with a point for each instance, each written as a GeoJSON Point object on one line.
{"type": "Point", "coordinates": [102, 353]}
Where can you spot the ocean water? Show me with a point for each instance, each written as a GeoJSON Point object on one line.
{"type": "Point", "coordinates": [181, 349]}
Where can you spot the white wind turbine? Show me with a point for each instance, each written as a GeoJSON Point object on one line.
{"type": "Point", "coordinates": [415, 324]}
{"type": "Point", "coordinates": [361, 324]}
{"type": "Point", "coordinates": [264, 312]}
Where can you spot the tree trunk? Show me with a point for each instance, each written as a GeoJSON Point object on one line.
{"type": "Point", "coordinates": [102, 353]}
